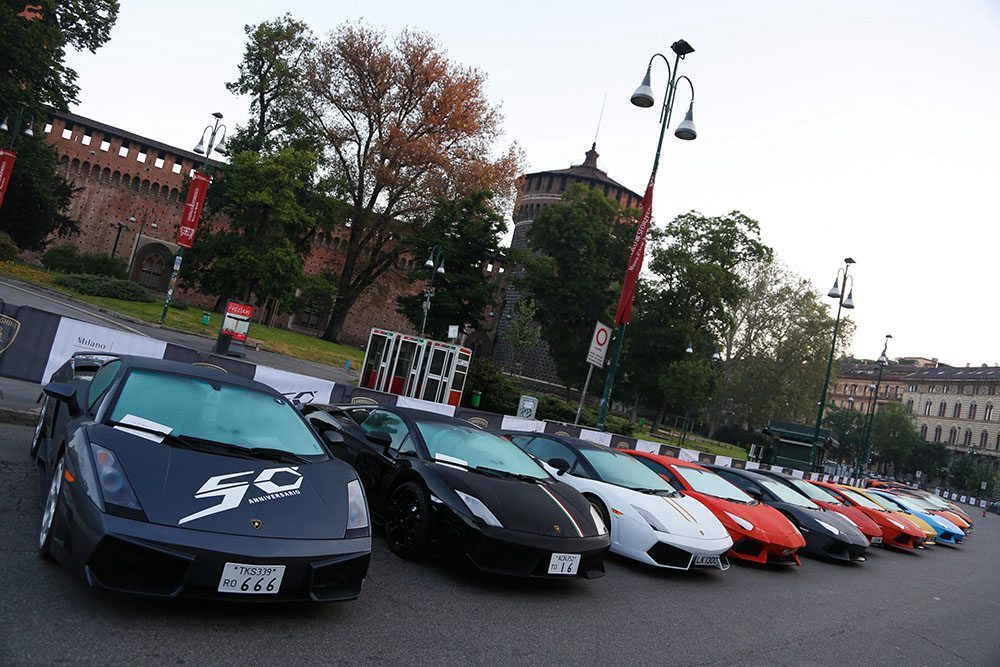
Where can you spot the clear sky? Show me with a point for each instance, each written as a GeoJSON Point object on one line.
{"type": "Point", "coordinates": [855, 128]}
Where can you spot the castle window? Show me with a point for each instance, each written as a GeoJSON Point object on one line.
{"type": "Point", "coordinates": [86, 139]}
{"type": "Point", "coordinates": [141, 155]}
{"type": "Point", "coordinates": [47, 128]}
{"type": "Point", "coordinates": [967, 438]}
{"type": "Point", "coordinates": [983, 438]}
{"type": "Point", "coordinates": [105, 145]}
{"type": "Point", "coordinates": [123, 151]}
{"type": "Point", "coordinates": [176, 168]}
{"type": "Point", "coordinates": [956, 411]}
{"type": "Point", "coordinates": [489, 267]}
{"type": "Point", "coordinates": [158, 163]}
{"type": "Point", "coordinates": [937, 434]}
{"type": "Point", "coordinates": [909, 406]}
{"type": "Point", "coordinates": [942, 409]}
{"type": "Point", "coordinates": [952, 435]}
{"type": "Point", "coordinates": [988, 412]}
{"type": "Point", "coordinates": [67, 133]}
{"type": "Point", "coordinates": [972, 411]}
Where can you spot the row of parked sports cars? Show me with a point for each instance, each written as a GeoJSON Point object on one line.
{"type": "Point", "coordinates": [164, 479]}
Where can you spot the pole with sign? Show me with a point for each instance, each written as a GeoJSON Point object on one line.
{"type": "Point", "coordinates": [595, 357]}
{"type": "Point", "coordinates": [6, 167]}
{"type": "Point", "coordinates": [185, 233]}
{"type": "Point", "coordinates": [233, 332]}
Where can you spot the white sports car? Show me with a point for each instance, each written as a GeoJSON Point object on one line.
{"type": "Point", "coordinates": [648, 519]}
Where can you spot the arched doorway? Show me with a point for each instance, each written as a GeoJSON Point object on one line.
{"type": "Point", "coordinates": [151, 266]}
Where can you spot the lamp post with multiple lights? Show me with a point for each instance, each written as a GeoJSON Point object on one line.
{"type": "Point", "coordinates": [836, 292]}
{"type": "Point", "coordinates": [215, 143]}
{"type": "Point", "coordinates": [643, 97]}
{"type": "Point", "coordinates": [7, 155]}
{"type": "Point", "coordinates": [435, 262]}
{"type": "Point", "coordinates": [883, 361]}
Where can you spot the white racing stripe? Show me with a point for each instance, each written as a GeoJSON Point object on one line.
{"type": "Point", "coordinates": [563, 508]}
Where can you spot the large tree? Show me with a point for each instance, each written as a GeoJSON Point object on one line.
{"type": "Point", "coordinates": [580, 247]}
{"type": "Point", "coordinates": [403, 127]}
{"type": "Point", "coordinates": [466, 231]}
{"type": "Point", "coordinates": [34, 37]}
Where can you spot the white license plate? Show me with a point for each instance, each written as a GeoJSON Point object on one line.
{"type": "Point", "coordinates": [707, 561]}
{"type": "Point", "coordinates": [876, 540]}
{"type": "Point", "coordinates": [251, 579]}
{"type": "Point", "coordinates": [564, 564]}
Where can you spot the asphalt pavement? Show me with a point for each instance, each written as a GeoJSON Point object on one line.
{"type": "Point", "coordinates": [937, 607]}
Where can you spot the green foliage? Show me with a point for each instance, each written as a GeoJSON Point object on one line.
{"type": "Point", "coordinates": [8, 249]}
{"type": "Point", "coordinates": [523, 333]}
{"type": "Point", "coordinates": [582, 247]}
{"type": "Point", "coordinates": [897, 445]}
{"type": "Point", "coordinates": [500, 392]}
{"type": "Point", "coordinates": [848, 428]}
{"type": "Point", "coordinates": [38, 197]}
{"type": "Point", "coordinates": [467, 230]}
{"type": "Point", "coordinates": [965, 474]}
{"type": "Point", "coordinates": [113, 288]}
{"type": "Point", "coordinates": [67, 259]}
{"type": "Point", "coordinates": [318, 292]}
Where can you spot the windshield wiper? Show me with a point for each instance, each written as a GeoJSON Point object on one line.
{"type": "Point", "coordinates": [172, 438]}
{"type": "Point", "coordinates": [274, 454]}
{"type": "Point", "coordinates": [496, 472]}
{"type": "Point", "coordinates": [215, 447]}
{"type": "Point", "coordinates": [655, 492]}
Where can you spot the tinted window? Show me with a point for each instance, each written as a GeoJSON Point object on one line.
{"type": "Point", "coordinates": [215, 411]}
{"type": "Point", "coordinates": [815, 492]}
{"type": "Point", "coordinates": [711, 484]}
{"type": "Point", "coordinates": [380, 420]}
{"type": "Point", "coordinates": [545, 450]}
{"type": "Point", "coordinates": [623, 470]}
{"type": "Point", "coordinates": [738, 480]}
{"type": "Point", "coordinates": [324, 422]}
{"type": "Point", "coordinates": [860, 499]}
{"type": "Point", "coordinates": [475, 448]}
{"type": "Point", "coordinates": [520, 440]}
{"type": "Point", "coordinates": [661, 470]}
{"type": "Point", "coordinates": [786, 494]}
{"type": "Point", "coordinates": [100, 383]}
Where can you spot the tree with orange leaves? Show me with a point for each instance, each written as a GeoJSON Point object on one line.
{"type": "Point", "coordinates": [403, 127]}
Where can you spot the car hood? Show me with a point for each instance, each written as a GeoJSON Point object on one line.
{"type": "Point", "coordinates": [810, 518]}
{"type": "Point", "coordinates": [232, 495]}
{"type": "Point", "coordinates": [860, 519]}
{"type": "Point", "coordinates": [546, 507]}
{"type": "Point", "coordinates": [681, 515]}
{"type": "Point", "coordinates": [769, 524]}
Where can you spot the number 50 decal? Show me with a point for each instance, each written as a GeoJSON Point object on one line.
{"type": "Point", "coordinates": [232, 493]}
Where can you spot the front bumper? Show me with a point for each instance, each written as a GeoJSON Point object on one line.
{"type": "Point", "coordinates": [828, 546]}
{"type": "Point", "coordinates": [139, 558]}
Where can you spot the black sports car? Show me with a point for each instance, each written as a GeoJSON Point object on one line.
{"type": "Point", "coordinates": [827, 533]}
{"type": "Point", "coordinates": [439, 485]}
{"type": "Point", "coordinates": [162, 478]}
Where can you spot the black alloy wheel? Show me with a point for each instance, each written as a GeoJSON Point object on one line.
{"type": "Point", "coordinates": [407, 521]}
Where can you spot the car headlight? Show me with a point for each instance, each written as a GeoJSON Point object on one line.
{"type": "Point", "coordinates": [357, 509]}
{"type": "Point", "coordinates": [598, 521]}
{"type": "Point", "coordinates": [740, 521]}
{"type": "Point", "coordinates": [479, 509]}
{"type": "Point", "coordinates": [653, 522]}
{"type": "Point", "coordinates": [832, 529]}
{"type": "Point", "coordinates": [115, 488]}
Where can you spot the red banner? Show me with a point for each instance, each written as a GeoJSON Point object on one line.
{"type": "Point", "coordinates": [6, 167]}
{"type": "Point", "coordinates": [192, 209]}
{"type": "Point", "coordinates": [624, 312]}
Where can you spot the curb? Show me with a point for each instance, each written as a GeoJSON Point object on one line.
{"type": "Point", "coordinates": [18, 417]}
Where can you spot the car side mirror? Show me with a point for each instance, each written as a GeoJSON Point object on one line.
{"type": "Point", "coordinates": [380, 438]}
{"type": "Point", "coordinates": [561, 465]}
{"type": "Point", "coordinates": [333, 438]}
{"type": "Point", "coordinates": [67, 394]}
{"type": "Point", "coordinates": [756, 494]}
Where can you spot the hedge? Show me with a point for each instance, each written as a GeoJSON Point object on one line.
{"type": "Point", "coordinates": [104, 286]}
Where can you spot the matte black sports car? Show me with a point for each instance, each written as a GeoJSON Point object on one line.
{"type": "Point", "coordinates": [827, 533]}
{"type": "Point", "coordinates": [439, 485]}
{"type": "Point", "coordinates": [161, 478]}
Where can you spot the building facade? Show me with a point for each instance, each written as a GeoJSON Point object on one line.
{"type": "Point", "coordinates": [854, 386]}
{"type": "Point", "coordinates": [131, 188]}
{"type": "Point", "coordinates": [958, 407]}
{"type": "Point", "coordinates": [536, 191]}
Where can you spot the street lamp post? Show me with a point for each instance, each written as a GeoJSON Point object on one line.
{"type": "Point", "coordinates": [435, 262]}
{"type": "Point", "coordinates": [883, 361]}
{"type": "Point", "coordinates": [135, 244]}
{"type": "Point", "coordinates": [215, 143]}
{"type": "Point", "coordinates": [643, 97]}
{"type": "Point", "coordinates": [28, 132]}
{"type": "Point", "coordinates": [118, 234]}
{"type": "Point", "coordinates": [7, 155]}
{"type": "Point", "coordinates": [836, 292]}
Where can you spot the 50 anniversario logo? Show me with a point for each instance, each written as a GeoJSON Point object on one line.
{"type": "Point", "coordinates": [8, 331]}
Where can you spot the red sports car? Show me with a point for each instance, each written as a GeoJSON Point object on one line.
{"type": "Point", "coordinates": [866, 525]}
{"type": "Point", "coordinates": [896, 531]}
{"type": "Point", "coordinates": [761, 534]}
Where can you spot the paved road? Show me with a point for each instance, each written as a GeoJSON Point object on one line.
{"type": "Point", "coordinates": [938, 607]}
{"type": "Point", "coordinates": [22, 395]}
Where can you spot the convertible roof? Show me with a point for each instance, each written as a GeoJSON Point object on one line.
{"type": "Point", "coordinates": [201, 371]}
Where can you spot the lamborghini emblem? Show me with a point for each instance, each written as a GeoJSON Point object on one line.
{"type": "Point", "coordinates": [256, 523]}
{"type": "Point", "coordinates": [8, 331]}
{"type": "Point", "coordinates": [556, 528]}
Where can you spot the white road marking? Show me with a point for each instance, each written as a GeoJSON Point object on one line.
{"type": "Point", "coordinates": [77, 308]}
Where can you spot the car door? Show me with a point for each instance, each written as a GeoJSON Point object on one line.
{"type": "Point", "coordinates": [377, 465]}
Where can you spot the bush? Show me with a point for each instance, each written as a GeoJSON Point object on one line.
{"type": "Point", "coordinates": [63, 259]}
{"type": "Point", "coordinates": [8, 249]}
{"type": "Point", "coordinates": [112, 288]}
{"type": "Point", "coordinates": [500, 392]}
{"type": "Point", "coordinates": [105, 265]}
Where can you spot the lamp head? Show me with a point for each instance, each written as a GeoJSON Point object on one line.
{"type": "Point", "coordinates": [200, 148]}
{"type": "Point", "coordinates": [3, 126]}
{"type": "Point", "coordinates": [686, 129]}
{"type": "Point", "coordinates": [834, 292]}
{"type": "Point", "coordinates": [689, 349]}
{"type": "Point", "coordinates": [848, 260]}
{"type": "Point", "coordinates": [643, 95]}
{"type": "Point", "coordinates": [681, 48]}
{"type": "Point", "coordinates": [440, 268]}
{"type": "Point", "coordinates": [218, 114]}
{"type": "Point", "coordinates": [849, 301]}
{"type": "Point", "coordinates": [429, 264]}
{"type": "Point", "coordinates": [28, 132]}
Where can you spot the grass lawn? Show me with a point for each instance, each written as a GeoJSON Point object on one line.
{"type": "Point", "coordinates": [189, 319]}
{"type": "Point", "coordinates": [701, 444]}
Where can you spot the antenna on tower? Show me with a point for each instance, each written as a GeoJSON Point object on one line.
{"type": "Point", "coordinates": [600, 118]}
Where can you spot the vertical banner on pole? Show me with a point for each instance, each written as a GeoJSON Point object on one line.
{"type": "Point", "coordinates": [7, 158]}
{"type": "Point", "coordinates": [192, 209]}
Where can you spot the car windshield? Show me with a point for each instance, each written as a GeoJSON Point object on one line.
{"type": "Point", "coordinates": [786, 494]}
{"type": "Point", "coordinates": [711, 484]}
{"type": "Point", "coordinates": [886, 503]}
{"type": "Point", "coordinates": [623, 470]}
{"type": "Point", "coordinates": [475, 448]}
{"type": "Point", "coordinates": [861, 500]}
{"type": "Point", "coordinates": [815, 492]}
{"type": "Point", "coordinates": [909, 502]}
{"type": "Point", "coordinates": [214, 411]}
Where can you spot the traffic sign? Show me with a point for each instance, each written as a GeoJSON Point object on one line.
{"type": "Point", "coordinates": [599, 345]}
